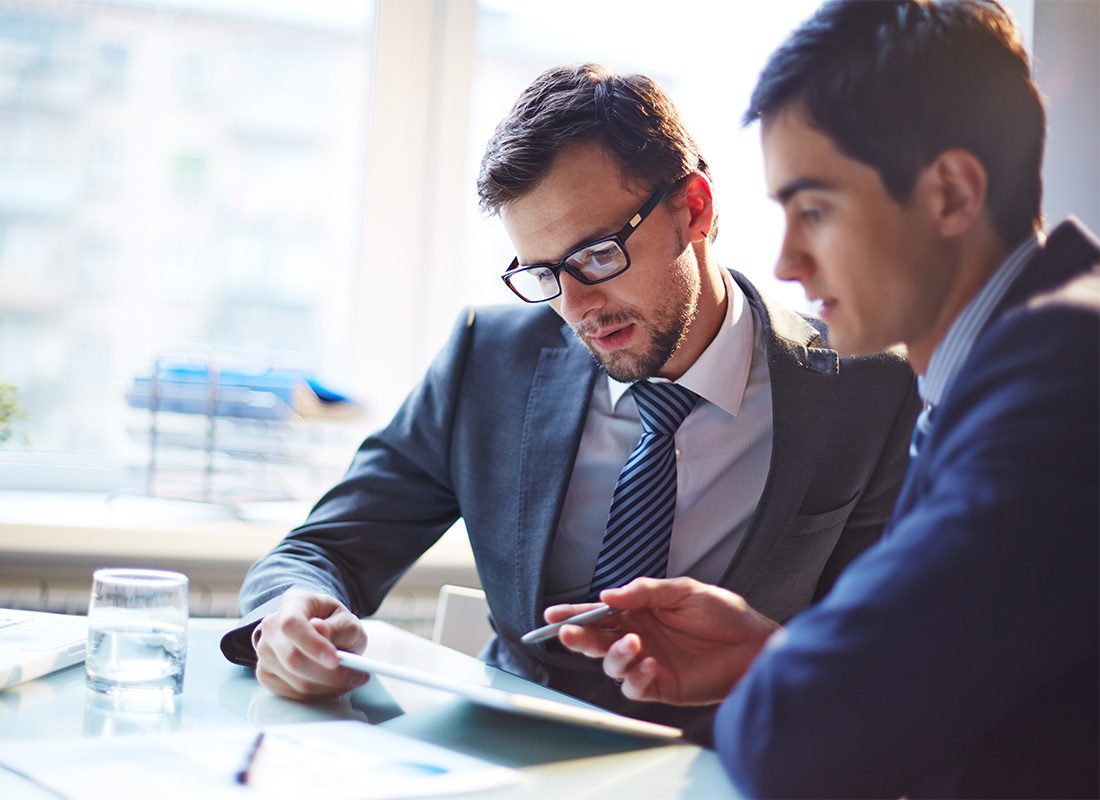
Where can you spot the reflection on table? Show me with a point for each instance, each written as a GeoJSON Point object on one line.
{"type": "Point", "coordinates": [557, 760]}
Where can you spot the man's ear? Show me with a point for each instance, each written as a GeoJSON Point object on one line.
{"type": "Point", "coordinates": [958, 181]}
{"type": "Point", "coordinates": [698, 202]}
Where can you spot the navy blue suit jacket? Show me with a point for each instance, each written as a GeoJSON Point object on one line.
{"type": "Point", "coordinates": [491, 433]}
{"type": "Point", "coordinates": [958, 656]}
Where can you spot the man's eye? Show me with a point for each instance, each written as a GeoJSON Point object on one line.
{"type": "Point", "coordinates": [604, 256]}
{"type": "Point", "coordinates": [600, 258]}
{"type": "Point", "coordinates": [811, 215]}
{"type": "Point", "coordinates": [542, 274]}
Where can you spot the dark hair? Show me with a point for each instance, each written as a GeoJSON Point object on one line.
{"type": "Point", "coordinates": [895, 83]}
{"type": "Point", "coordinates": [627, 114]}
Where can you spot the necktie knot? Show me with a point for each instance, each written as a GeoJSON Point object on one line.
{"type": "Point", "coordinates": [663, 406]}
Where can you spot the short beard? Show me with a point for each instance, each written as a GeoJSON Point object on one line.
{"type": "Point", "coordinates": [666, 335]}
{"type": "Point", "coordinates": [667, 331]}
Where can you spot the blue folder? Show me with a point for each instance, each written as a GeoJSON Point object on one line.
{"type": "Point", "coordinates": [273, 394]}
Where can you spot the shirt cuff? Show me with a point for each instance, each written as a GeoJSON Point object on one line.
{"type": "Point", "coordinates": [237, 645]}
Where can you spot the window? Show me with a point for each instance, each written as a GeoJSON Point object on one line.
{"type": "Point", "coordinates": [292, 184]}
{"type": "Point", "coordinates": [171, 174]}
{"type": "Point", "coordinates": [112, 68]}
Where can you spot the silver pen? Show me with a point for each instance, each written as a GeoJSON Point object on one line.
{"type": "Point", "coordinates": [602, 611]}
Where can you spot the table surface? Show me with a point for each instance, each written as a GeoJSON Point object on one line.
{"type": "Point", "coordinates": [557, 760]}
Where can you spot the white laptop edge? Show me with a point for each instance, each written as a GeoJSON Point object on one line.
{"type": "Point", "coordinates": [36, 643]}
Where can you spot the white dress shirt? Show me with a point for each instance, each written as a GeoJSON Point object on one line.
{"type": "Point", "coordinates": [723, 453]}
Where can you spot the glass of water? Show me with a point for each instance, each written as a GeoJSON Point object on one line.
{"type": "Point", "coordinates": [137, 632]}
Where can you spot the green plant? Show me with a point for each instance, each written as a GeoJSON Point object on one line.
{"type": "Point", "coordinates": [10, 412]}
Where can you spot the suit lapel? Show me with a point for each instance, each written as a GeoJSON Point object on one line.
{"type": "Point", "coordinates": [554, 420]}
{"type": "Point", "coordinates": [803, 377]}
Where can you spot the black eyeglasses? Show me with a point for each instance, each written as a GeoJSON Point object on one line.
{"type": "Point", "coordinates": [591, 263]}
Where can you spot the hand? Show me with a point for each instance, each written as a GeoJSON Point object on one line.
{"type": "Point", "coordinates": [296, 652]}
{"type": "Point", "coordinates": [677, 641]}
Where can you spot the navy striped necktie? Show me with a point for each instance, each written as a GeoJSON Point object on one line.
{"type": "Point", "coordinates": [639, 525]}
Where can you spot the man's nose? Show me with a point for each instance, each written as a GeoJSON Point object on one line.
{"type": "Point", "coordinates": [793, 263]}
{"type": "Point", "coordinates": [578, 300]}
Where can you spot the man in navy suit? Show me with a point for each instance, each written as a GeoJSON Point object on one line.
{"type": "Point", "coordinates": [957, 656]}
{"type": "Point", "coordinates": [786, 467]}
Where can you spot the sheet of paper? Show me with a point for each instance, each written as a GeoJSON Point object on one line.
{"type": "Point", "coordinates": [338, 759]}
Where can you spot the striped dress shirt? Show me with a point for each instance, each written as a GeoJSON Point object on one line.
{"type": "Point", "coordinates": [949, 356]}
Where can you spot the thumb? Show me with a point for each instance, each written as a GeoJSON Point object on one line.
{"type": "Point", "coordinates": [344, 631]}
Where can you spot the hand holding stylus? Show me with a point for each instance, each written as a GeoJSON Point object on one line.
{"type": "Point", "coordinates": [676, 641]}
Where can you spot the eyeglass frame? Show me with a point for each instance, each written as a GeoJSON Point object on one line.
{"type": "Point", "coordinates": [619, 237]}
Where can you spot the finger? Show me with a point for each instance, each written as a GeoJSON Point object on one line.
{"type": "Point", "coordinates": [297, 668]}
{"type": "Point", "coordinates": [638, 683]}
{"type": "Point", "coordinates": [622, 656]}
{"type": "Point", "coordinates": [566, 610]}
{"type": "Point", "coordinates": [292, 632]}
{"type": "Point", "coordinates": [296, 688]}
{"type": "Point", "coordinates": [304, 676]}
{"type": "Point", "coordinates": [589, 641]}
{"type": "Point", "coordinates": [273, 683]}
{"type": "Point", "coordinates": [283, 655]}
{"type": "Point", "coordinates": [344, 631]}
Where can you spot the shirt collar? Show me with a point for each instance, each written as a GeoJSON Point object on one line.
{"type": "Point", "coordinates": [721, 372]}
{"type": "Point", "coordinates": [949, 355]}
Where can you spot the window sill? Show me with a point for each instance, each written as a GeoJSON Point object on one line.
{"type": "Point", "coordinates": [51, 541]}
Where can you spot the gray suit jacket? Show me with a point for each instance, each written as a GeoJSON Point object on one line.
{"type": "Point", "coordinates": [490, 435]}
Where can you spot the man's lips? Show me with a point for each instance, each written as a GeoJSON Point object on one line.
{"type": "Point", "coordinates": [823, 306]}
{"type": "Point", "coordinates": [612, 338]}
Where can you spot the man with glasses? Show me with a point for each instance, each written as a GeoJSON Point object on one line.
{"type": "Point", "coordinates": [646, 413]}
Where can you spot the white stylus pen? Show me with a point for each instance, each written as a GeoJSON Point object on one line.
{"type": "Point", "coordinates": [584, 618]}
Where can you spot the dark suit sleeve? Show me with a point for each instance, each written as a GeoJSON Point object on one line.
{"type": "Point", "coordinates": [868, 519]}
{"type": "Point", "coordinates": [394, 502]}
{"type": "Point", "coordinates": [977, 600]}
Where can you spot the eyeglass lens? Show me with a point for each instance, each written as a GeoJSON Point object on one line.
{"type": "Point", "coordinates": [596, 262]}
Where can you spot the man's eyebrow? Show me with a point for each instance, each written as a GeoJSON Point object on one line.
{"type": "Point", "coordinates": [597, 234]}
{"type": "Point", "coordinates": [798, 185]}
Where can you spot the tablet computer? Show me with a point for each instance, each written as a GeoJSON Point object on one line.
{"type": "Point", "coordinates": [514, 702]}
